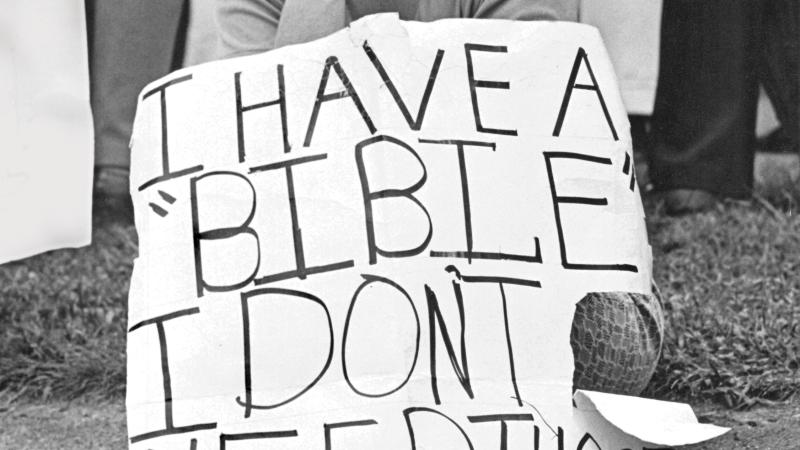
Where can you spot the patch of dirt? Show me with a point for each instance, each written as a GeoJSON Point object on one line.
{"type": "Point", "coordinates": [63, 426]}
{"type": "Point", "coordinates": [70, 426]}
{"type": "Point", "coordinates": [774, 427]}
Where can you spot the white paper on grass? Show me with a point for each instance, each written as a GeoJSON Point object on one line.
{"type": "Point", "coordinates": [265, 319]}
{"type": "Point", "coordinates": [46, 125]}
{"type": "Point", "coordinates": [654, 421]}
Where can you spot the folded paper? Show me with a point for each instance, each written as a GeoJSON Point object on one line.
{"type": "Point", "coordinates": [653, 421]}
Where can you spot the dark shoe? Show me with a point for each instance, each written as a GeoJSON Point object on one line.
{"type": "Point", "coordinates": [112, 199]}
{"type": "Point", "coordinates": [687, 201]}
{"type": "Point", "coordinates": [111, 181]}
{"type": "Point", "coordinates": [779, 141]}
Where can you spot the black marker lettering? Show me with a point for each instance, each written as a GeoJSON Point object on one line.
{"type": "Point", "coordinates": [368, 280]}
{"type": "Point", "coordinates": [349, 91]}
{"type": "Point", "coordinates": [474, 84]}
{"type": "Point", "coordinates": [241, 109]}
{"type": "Point", "coordinates": [501, 282]}
{"type": "Point", "coordinates": [218, 234]}
{"type": "Point", "coordinates": [167, 173]}
{"type": "Point", "coordinates": [502, 418]}
{"type": "Point", "coordinates": [301, 270]}
{"type": "Point", "coordinates": [169, 423]}
{"type": "Point", "coordinates": [572, 85]}
{"type": "Point", "coordinates": [247, 403]}
{"type": "Point", "coordinates": [332, 426]}
{"type": "Point", "coordinates": [469, 253]}
{"type": "Point", "coordinates": [224, 438]}
{"type": "Point", "coordinates": [414, 124]}
{"type": "Point", "coordinates": [407, 193]}
{"type": "Point", "coordinates": [559, 436]}
{"type": "Point", "coordinates": [434, 317]}
{"type": "Point", "coordinates": [409, 411]}
{"type": "Point", "coordinates": [585, 439]}
{"type": "Point", "coordinates": [558, 200]}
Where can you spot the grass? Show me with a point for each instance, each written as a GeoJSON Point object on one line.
{"type": "Point", "coordinates": [729, 279]}
{"type": "Point", "coordinates": [63, 316]}
{"type": "Point", "coordinates": [732, 297]}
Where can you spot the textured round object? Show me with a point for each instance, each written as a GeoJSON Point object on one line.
{"type": "Point", "coordinates": [616, 341]}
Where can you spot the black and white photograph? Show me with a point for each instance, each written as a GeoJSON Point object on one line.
{"type": "Point", "coordinates": [400, 224]}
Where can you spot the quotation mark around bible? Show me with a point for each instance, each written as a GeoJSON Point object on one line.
{"type": "Point", "coordinates": [158, 209]}
{"type": "Point", "coordinates": [627, 168]}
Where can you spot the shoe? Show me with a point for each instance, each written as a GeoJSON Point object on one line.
{"type": "Point", "coordinates": [779, 141]}
{"type": "Point", "coordinates": [688, 201]}
{"type": "Point", "coordinates": [111, 197]}
{"type": "Point", "coordinates": [111, 181]}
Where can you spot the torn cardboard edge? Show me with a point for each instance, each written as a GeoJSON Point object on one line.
{"type": "Point", "coordinates": [561, 50]}
{"type": "Point", "coordinates": [653, 421]}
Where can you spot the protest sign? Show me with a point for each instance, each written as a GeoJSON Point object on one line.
{"type": "Point", "coordinates": [46, 125]}
{"type": "Point", "coordinates": [377, 240]}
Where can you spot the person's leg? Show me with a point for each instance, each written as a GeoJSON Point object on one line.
{"type": "Point", "coordinates": [704, 116]}
{"type": "Point", "coordinates": [780, 70]}
{"type": "Point", "coordinates": [132, 43]}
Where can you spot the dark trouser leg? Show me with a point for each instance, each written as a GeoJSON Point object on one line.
{"type": "Point", "coordinates": [132, 42]}
{"type": "Point", "coordinates": [780, 63]}
{"type": "Point", "coordinates": [704, 116]}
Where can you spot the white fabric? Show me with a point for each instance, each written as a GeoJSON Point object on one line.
{"type": "Point", "coordinates": [631, 30]}
{"type": "Point", "coordinates": [202, 39]}
{"type": "Point", "coordinates": [45, 121]}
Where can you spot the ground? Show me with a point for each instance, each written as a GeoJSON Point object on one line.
{"type": "Point", "coordinates": [65, 426]}
{"type": "Point", "coordinates": [775, 427]}
{"type": "Point", "coordinates": [728, 276]}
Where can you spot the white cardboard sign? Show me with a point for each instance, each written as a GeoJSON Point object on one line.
{"type": "Point", "coordinates": [376, 240]}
